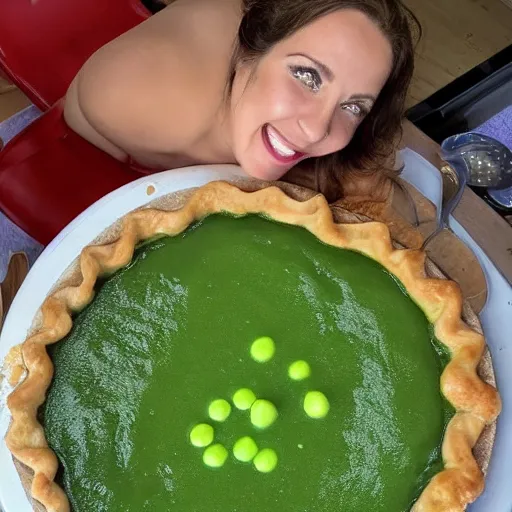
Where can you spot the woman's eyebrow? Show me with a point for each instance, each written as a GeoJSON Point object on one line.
{"type": "Point", "coordinates": [326, 70]}
{"type": "Point", "coordinates": [368, 97]}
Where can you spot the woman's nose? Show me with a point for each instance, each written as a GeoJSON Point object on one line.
{"type": "Point", "coordinates": [315, 126]}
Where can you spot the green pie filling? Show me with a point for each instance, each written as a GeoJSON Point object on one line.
{"type": "Point", "coordinates": [172, 331]}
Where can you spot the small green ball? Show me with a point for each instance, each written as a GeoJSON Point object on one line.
{"type": "Point", "coordinates": [243, 399]}
{"type": "Point", "coordinates": [299, 370]}
{"type": "Point", "coordinates": [316, 404]}
{"type": "Point", "coordinates": [263, 349]}
{"type": "Point", "coordinates": [201, 435]}
{"type": "Point", "coordinates": [245, 449]}
{"type": "Point", "coordinates": [215, 456]}
{"type": "Point", "coordinates": [219, 410]}
{"type": "Point", "coordinates": [263, 413]}
{"type": "Point", "coordinates": [266, 460]}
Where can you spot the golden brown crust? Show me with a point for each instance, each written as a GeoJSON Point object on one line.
{"type": "Point", "coordinates": [477, 404]}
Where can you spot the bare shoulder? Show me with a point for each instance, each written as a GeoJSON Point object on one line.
{"type": "Point", "coordinates": [154, 87]}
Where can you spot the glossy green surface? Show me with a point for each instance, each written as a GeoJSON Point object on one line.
{"type": "Point", "coordinates": [172, 332]}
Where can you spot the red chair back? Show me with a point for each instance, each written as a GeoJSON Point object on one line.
{"type": "Point", "coordinates": [49, 175]}
{"type": "Point", "coordinates": [44, 43]}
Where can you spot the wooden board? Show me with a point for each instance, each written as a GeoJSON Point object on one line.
{"type": "Point", "coordinates": [450, 254]}
{"type": "Point", "coordinates": [488, 229]}
{"type": "Point", "coordinates": [17, 270]}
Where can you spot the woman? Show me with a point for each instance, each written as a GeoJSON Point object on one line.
{"type": "Point", "coordinates": [314, 85]}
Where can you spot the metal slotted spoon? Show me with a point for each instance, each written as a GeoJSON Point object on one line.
{"type": "Point", "coordinates": [471, 159]}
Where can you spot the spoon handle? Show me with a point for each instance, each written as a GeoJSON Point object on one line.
{"type": "Point", "coordinates": [450, 205]}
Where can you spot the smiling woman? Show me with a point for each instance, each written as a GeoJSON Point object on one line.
{"type": "Point", "coordinates": [313, 85]}
{"type": "Point", "coordinates": [309, 90]}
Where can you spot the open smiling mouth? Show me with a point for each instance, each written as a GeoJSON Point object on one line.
{"type": "Point", "coordinates": [278, 147]}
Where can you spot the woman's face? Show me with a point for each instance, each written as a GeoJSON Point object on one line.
{"type": "Point", "coordinates": [307, 96]}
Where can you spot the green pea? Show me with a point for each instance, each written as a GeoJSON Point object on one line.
{"type": "Point", "coordinates": [219, 410]}
{"type": "Point", "coordinates": [299, 370]}
{"type": "Point", "coordinates": [215, 456]}
{"type": "Point", "coordinates": [263, 349]}
{"type": "Point", "coordinates": [243, 399]}
{"type": "Point", "coordinates": [316, 404]}
{"type": "Point", "coordinates": [202, 435]}
{"type": "Point", "coordinates": [263, 413]}
{"type": "Point", "coordinates": [245, 449]}
{"type": "Point", "coordinates": [266, 460]}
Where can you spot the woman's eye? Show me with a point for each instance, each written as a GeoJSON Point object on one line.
{"type": "Point", "coordinates": [354, 109]}
{"type": "Point", "coordinates": [308, 76]}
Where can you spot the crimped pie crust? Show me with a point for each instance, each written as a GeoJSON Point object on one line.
{"type": "Point", "coordinates": [477, 404]}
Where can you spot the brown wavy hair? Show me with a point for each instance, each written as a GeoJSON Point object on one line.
{"type": "Point", "coordinates": [267, 22]}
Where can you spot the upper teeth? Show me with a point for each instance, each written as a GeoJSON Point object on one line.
{"type": "Point", "coordinates": [278, 144]}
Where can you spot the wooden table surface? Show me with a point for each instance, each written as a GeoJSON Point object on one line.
{"type": "Point", "coordinates": [488, 229]}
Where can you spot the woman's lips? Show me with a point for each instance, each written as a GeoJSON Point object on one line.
{"type": "Point", "coordinates": [278, 147]}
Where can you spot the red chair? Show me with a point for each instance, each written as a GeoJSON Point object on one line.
{"type": "Point", "coordinates": [43, 43]}
{"type": "Point", "coordinates": [49, 175]}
